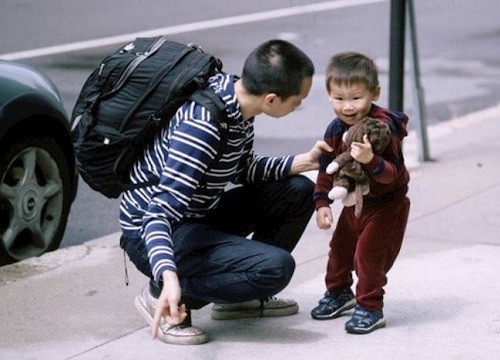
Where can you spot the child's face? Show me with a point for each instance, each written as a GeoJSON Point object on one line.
{"type": "Point", "coordinates": [352, 102]}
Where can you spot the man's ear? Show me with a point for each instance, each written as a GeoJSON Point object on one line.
{"type": "Point", "coordinates": [269, 99]}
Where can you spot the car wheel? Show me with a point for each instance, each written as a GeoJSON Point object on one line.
{"type": "Point", "coordinates": [35, 196]}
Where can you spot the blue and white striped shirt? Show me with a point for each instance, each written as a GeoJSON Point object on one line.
{"type": "Point", "coordinates": [191, 182]}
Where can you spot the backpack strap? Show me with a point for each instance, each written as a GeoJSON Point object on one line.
{"type": "Point", "coordinates": [217, 108]}
{"type": "Point", "coordinates": [210, 100]}
{"type": "Point", "coordinates": [153, 84]}
{"type": "Point", "coordinates": [154, 47]}
{"type": "Point", "coordinates": [109, 88]}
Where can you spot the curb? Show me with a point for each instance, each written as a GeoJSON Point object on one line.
{"type": "Point", "coordinates": [55, 259]}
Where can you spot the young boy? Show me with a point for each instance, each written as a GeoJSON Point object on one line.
{"type": "Point", "coordinates": [369, 244]}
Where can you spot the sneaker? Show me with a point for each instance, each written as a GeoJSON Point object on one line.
{"type": "Point", "coordinates": [255, 308]}
{"type": "Point", "coordinates": [182, 334]}
{"type": "Point", "coordinates": [333, 305]}
{"type": "Point", "coordinates": [364, 321]}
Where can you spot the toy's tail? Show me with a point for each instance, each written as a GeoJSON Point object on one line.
{"type": "Point", "coordinates": [359, 192]}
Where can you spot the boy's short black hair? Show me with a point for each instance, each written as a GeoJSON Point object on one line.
{"type": "Point", "coordinates": [352, 67]}
{"type": "Point", "coordinates": [278, 67]}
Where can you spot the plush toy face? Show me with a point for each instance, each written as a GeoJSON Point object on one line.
{"type": "Point", "coordinates": [378, 133]}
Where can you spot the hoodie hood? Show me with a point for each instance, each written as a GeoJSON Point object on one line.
{"type": "Point", "coordinates": [396, 120]}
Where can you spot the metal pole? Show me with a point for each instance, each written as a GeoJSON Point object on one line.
{"type": "Point", "coordinates": [418, 92]}
{"type": "Point", "coordinates": [397, 55]}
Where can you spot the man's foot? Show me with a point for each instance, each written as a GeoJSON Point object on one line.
{"type": "Point", "coordinates": [364, 321]}
{"type": "Point", "coordinates": [255, 308]}
{"type": "Point", "coordinates": [333, 305]}
{"type": "Point", "coordinates": [182, 334]}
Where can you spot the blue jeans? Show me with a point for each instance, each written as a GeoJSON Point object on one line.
{"type": "Point", "coordinates": [216, 262]}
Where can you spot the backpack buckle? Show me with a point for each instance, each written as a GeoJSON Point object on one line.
{"type": "Point", "coordinates": [196, 47]}
{"type": "Point", "coordinates": [154, 117]}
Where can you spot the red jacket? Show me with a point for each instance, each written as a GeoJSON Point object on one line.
{"type": "Point", "coordinates": [387, 171]}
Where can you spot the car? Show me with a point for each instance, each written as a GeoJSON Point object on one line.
{"type": "Point", "coordinates": [38, 176]}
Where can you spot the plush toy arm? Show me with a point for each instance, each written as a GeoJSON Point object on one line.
{"type": "Point", "coordinates": [340, 188]}
{"type": "Point", "coordinates": [339, 162]}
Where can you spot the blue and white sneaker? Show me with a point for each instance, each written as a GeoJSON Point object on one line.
{"type": "Point", "coordinates": [333, 305]}
{"type": "Point", "coordinates": [364, 321]}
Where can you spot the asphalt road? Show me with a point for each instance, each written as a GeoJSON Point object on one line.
{"type": "Point", "coordinates": [458, 44]}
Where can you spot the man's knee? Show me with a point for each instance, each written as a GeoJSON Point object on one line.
{"type": "Point", "coordinates": [287, 265]}
{"type": "Point", "coordinates": [301, 188]}
{"type": "Point", "coordinates": [301, 183]}
{"type": "Point", "coordinates": [275, 272]}
{"type": "Point", "coordinates": [300, 191]}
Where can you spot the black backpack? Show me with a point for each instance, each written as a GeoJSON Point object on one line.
{"type": "Point", "coordinates": [125, 101]}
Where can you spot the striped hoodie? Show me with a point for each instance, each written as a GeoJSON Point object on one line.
{"type": "Point", "coordinates": [191, 181]}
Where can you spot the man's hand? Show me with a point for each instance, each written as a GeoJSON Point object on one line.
{"type": "Point", "coordinates": [168, 303]}
{"type": "Point", "coordinates": [324, 218]}
{"type": "Point", "coordinates": [362, 152]}
{"type": "Point", "coordinates": [310, 160]}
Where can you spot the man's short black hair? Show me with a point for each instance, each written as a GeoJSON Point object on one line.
{"type": "Point", "coordinates": [278, 67]}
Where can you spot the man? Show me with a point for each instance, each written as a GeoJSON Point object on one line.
{"type": "Point", "coordinates": [189, 234]}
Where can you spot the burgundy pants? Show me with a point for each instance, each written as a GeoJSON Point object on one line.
{"type": "Point", "coordinates": [368, 245]}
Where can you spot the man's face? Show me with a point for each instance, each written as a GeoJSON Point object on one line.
{"type": "Point", "coordinates": [352, 102]}
{"type": "Point", "coordinates": [278, 108]}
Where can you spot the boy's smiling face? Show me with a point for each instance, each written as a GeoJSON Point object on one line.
{"type": "Point", "coordinates": [352, 102]}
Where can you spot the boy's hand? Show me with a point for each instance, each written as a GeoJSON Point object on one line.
{"type": "Point", "coordinates": [362, 152]}
{"type": "Point", "coordinates": [324, 218]}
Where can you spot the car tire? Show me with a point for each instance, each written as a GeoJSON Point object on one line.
{"type": "Point", "coordinates": [35, 196]}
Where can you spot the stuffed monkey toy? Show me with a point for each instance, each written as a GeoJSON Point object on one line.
{"type": "Point", "coordinates": [350, 182]}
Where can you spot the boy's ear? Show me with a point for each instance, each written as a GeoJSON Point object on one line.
{"type": "Point", "coordinates": [376, 93]}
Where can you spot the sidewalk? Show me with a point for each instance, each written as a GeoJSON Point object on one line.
{"type": "Point", "coordinates": [442, 300]}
